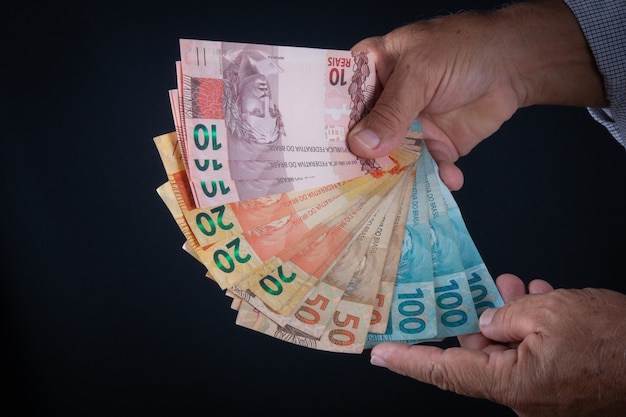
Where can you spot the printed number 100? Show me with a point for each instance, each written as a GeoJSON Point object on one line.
{"type": "Point", "coordinates": [411, 308]}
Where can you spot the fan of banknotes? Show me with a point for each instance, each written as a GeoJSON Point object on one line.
{"type": "Point", "coordinates": [315, 246]}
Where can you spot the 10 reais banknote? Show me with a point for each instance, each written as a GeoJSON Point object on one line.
{"type": "Point", "coordinates": [314, 245]}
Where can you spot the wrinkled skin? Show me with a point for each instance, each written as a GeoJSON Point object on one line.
{"type": "Point", "coordinates": [464, 75]}
{"type": "Point", "coordinates": [547, 353]}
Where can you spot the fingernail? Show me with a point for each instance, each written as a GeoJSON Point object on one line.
{"type": "Point", "coordinates": [377, 361]}
{"type": "Point", "coordinates": [367, 139]}
{"type": "Point", "coordinates": [486, 317]}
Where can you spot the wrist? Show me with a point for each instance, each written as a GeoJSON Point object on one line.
{"type": "Point", "coordinates": [547, 55]}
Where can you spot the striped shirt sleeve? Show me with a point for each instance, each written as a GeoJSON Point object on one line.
{"type": "Point", "coordinates": [603, 23]}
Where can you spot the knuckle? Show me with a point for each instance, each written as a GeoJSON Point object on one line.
{"type": "Point", "coordinates": [439, 376]}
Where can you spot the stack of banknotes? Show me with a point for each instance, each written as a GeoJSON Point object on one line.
{"type": "Point", "coordinates": [315, 246]}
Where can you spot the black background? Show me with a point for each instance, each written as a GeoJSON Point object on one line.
{"type": "Point", "coordinates": [105, 314]}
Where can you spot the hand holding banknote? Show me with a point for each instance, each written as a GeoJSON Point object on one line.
{"type": "Point", "coordinates": [319, 291]}
{"type": "Point", "coordinates": [547, 353]}
{"type": "Point", "coordinates": [525, 352]}
{"type": "Point", "coordinates": [474, 73]}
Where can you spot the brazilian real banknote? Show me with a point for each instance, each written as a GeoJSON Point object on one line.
{"type": "Point", "coordinates": [316, 246]}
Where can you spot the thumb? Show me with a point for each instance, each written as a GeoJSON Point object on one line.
{"type": "Point", "coordinates": [510, 323]}
{"type": "Point", "coordinates": [463, 371]}
{"type": "Point", "coordinates": [383, 129]}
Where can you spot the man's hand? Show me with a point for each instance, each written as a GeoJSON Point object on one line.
{"type": "Point", "coordinates": [464, 75]}
{"type": "Point", "coordinates": [547, 353]}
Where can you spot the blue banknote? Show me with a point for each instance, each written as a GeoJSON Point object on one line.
{"type": "Point", "coordinates": [485, 294]}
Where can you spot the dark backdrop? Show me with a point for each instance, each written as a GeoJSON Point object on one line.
{"type": "Point", "coordinates": [104, 313]}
